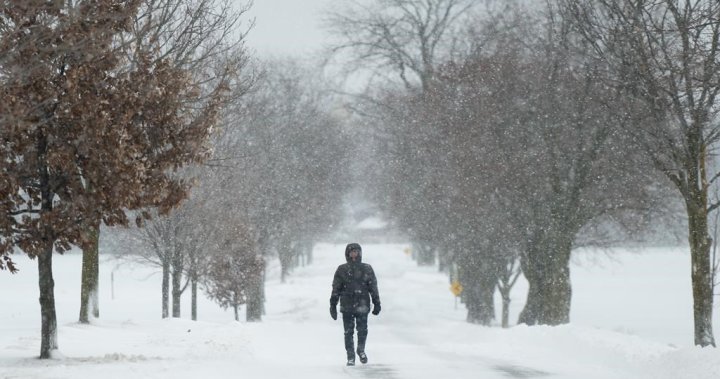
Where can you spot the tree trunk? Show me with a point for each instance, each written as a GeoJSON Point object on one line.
{"type": "Point", "coordinates": [480, 305]}
{"type": "Point", "coordinates": [253, 310]}
{"type": "Point", "coordinates": [532, 310]}
{"type": "Point", "coordinates": [48, 317]}
{"type": "Point", "coordinates": [237, 313]}
{"type": "Point", "coordinates": [284, 266]}
{"type": "Point", "coordinates": [165, 286]}
{"type": "Point", "coordinates": [479, 288]}
{"type": "Point", "coordinates": [193, 273]}
{"type": "Point", "coordinates": [701, 269]}
{"type": "Point", "coordinates": [176, 289]}
{"type": "Point", "coordinates": [48, 340]}
{"type": "Point", "coordinates": [506, 281]}
{"type": "Point", "coordinates": [262, 292]}
{"type": "Point", "coordinates": [193, 289]}
{"type": "Point", "coordinates": [286, 255]}
{"type": "Point", "coordinates": [506, 308]}
{"type": "Point", "coordinates": [443, 262]}
{"type": "Point", "coordinates": [547, 270]}
{"type": "Point", "coordinates": [255, 298]}
{"type": "Point", "coordinates": [89, 303]}
{"type": "Point", "coordinates": [308, 252]}
{"type": "Point", "coordinates": [296, 254]}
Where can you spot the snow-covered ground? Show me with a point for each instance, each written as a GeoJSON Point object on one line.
{"type": "Point", "coordinates": [631, 318]}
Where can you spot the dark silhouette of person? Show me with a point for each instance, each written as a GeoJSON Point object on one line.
{"type": "Point", "coordinates": [354, 285]}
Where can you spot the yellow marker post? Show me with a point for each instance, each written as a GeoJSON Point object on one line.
{"type": "Point", "coordinates": [456, 288]}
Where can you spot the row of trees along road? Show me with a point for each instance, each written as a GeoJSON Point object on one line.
{"type": "Point", "coordinates": [272, 187]}
{"type": "Point", "coordinates": [102, 101]}
{"type": "Point", "coordinates": [201, 38]}
{"type": "Point", "coordinates": [123, 127]}
{"type": "Point", "coordinates": [502, 143]}
{"type": "Point", "coordinates": [513, 139]}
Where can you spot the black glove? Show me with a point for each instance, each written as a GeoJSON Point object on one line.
{"type": "Point", "coordinates": [376, 309]}
{"type": "Point", "coordinates": [333, 313]}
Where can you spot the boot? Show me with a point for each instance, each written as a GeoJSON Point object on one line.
{"type": "Point", "coordinates": [350, 358]}
{"type": "Point", "coordinates": [363, 357]}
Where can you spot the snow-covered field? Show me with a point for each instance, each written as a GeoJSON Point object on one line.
{"type": "Point", "coordinates": [631, 318]}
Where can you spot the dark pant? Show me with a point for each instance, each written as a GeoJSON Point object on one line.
{"type": "Point", "coordinates": [349, 321]}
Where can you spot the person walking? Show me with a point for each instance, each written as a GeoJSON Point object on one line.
{"type": "Point", "coordinates": [354, 285]}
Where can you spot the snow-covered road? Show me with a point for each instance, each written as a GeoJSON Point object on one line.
{"type": "Point", "coordinates": [413, 337]}
{"type": "Point", "coordinates": [418, 335]}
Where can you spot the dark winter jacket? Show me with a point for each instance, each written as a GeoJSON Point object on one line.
{"type": "Point", "coordinates": [354, 285]}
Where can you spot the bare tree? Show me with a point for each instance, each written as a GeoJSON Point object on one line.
{"type": "Point", "coordinates": [176, 243]}
{"type": "Point", "coordinates": [397, 37]}
{"type": "Point", "coordinates": [284, 153]}
{"type": "Point", "coordinates": [512, 154]}
{"type": "Point", "coordinates": [664, 54]}
{"type": "Point", "coordinates": [183, 242]}
{"type": "Point", "coordinates": [233, 269]}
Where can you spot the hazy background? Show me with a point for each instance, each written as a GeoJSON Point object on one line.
{"type": "Point", "coordinates": [287, 26]}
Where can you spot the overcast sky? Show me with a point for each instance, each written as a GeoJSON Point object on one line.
{"type": "Point", "coordinates": [287, 26]}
